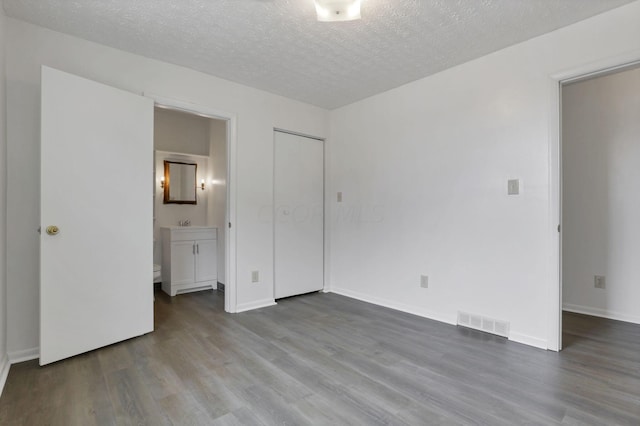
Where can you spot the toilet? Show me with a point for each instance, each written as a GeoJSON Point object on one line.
{"type": "Point", "coordinates": [157, 273]}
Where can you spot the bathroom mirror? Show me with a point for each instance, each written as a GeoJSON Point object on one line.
{"type": "Point", "coordinates": [179, 183]}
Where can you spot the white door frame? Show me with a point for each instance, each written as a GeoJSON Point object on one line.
{"type": "Point", "coordinates": [592, 69]}
{"type": "Point", "coordinates": [231, 292]}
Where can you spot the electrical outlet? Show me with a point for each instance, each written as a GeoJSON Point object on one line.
{"type": "Point", "coordinates": [599, 281]}
{"type": "Point", "coordinates": [255, 276]}
{"type": "Point", "coordinates": [424, 281]}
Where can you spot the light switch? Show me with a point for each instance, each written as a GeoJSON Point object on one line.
{"type": "Point", "coordinates": [424, 281]}
{"type": "Point", "coordinates": [513, 186]}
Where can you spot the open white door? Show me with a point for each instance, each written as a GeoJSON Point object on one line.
{"type": "Point", "coordinates": [299, 214]}
{"type": "Point", "coordinates": [96, 273]}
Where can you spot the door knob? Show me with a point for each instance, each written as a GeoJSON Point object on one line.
{"type": "Point", "coordinates": [53, 230]}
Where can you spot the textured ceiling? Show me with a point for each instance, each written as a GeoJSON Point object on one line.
{"type": "Point", "coordinates": [277, 45]}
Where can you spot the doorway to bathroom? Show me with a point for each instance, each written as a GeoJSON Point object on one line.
{"type": "Point", "coordinates": [192, 226]}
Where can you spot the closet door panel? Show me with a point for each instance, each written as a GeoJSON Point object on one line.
{"type": "Point", "coordinates": [298, 215]}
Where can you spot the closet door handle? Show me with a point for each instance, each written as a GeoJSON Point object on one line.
{"type": "Point", "coordinates": [198, 248]}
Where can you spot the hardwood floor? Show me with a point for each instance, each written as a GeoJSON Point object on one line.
{"type": "Point", "coordinates": [327, 359]}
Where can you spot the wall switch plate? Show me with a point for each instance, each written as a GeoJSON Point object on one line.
{"type": "Point", "coordinates": [339, 197]}
{"type": "Point", "coordinates": [599, 281]}
{"type": "Point", "coordinates": [255, 276]}
{"type": "Point", "coordinates": [513, 186]}
{"type": "Point", "coordinates": [424, 281]}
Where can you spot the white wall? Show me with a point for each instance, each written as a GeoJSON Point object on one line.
{"type": "Point", "coordinates": [4, 366]}
{"type": "Point", "coordinates": [601, 200]}
{"type": "Point", "coordinates": [257, 114]}
{"type": "Point", "coordinates": [218, 189]}
{"type": "Point", "coordinates": [423, 170]}
{"type": "Point", "coordinates": [180, 132]}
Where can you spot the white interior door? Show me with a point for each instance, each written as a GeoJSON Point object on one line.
{"type": "Point", "coordinates": [299, 214]}
{"type": "Point", "coordinates": [96, 274]}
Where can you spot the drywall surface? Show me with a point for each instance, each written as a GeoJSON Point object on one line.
{"type": "Point", "coordinates": [218, 188]}
{"type": "Point", "coordinates": [257, 114]}
{"type": "Point", "coordinates": [3, 208]}
{"type": "Point", "coordinates": [423, 171]}
{"type": "Point", "coordinates": [280, 47]}
{"type": "Point", "coordinates": [601, 201]}
{"type": "Point", "coordinates": [177, 131]}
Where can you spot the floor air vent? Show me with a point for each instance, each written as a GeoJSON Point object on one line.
{"type": "Point", "coordinates": [489, 325]}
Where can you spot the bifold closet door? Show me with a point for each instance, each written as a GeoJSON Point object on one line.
{"type": "Point", "coordinates": [96, 252]}
{"type": "Point", "coordinates": [298, 214]}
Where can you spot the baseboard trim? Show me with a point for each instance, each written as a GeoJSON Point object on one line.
{"type": "Point", "coordinates": [453, 320]}
{"type": "Point", "coordinates": [603, 313]}
{"type": "Point", "coordinates": [5, 365]}
{"type": "Point", "coordinates": [525, 339]}
{"type": "Point", "coordinates": [243, 307]}
{"type": "Point", "coordinates": [24, 355]}
{"type": "Point", "coordinates": [414, 310]}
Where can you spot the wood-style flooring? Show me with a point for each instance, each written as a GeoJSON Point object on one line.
{"type": "Point", "coordinates": [325, 359]}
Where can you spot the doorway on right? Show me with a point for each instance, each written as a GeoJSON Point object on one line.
{"type": "Point", "coordinates": [601, 207]}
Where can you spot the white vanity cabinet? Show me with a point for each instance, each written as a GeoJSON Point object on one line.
{"type": "Point", "coordinates": [189, 260]}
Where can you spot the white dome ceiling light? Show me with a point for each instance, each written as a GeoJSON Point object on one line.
{"type": "Point", "coordinates": [337, 10]}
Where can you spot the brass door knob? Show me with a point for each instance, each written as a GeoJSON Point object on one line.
{"type": "Point", "coordinates": [53, 230]}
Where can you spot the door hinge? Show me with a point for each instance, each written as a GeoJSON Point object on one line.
{"type": "Point", "coordinates": [229, 225]}
{"type": "Point", "coordinates": [558, 228]}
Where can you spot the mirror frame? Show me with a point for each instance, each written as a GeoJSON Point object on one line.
{"type": "Point", "coordinates": [167, 183]}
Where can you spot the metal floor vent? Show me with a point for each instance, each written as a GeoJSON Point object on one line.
{"type": "Point", "coordinates": [489, 325]}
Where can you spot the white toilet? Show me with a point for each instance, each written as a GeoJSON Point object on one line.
{"type": "Point", "coordinates": [157, 273]}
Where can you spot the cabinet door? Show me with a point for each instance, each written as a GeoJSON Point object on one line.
{"type": "Point", "coordinates": [182, 262]}
{"type": "Point", "coordinates": [206, 260]}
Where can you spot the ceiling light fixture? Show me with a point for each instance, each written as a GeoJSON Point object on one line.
{"type": "Point", "coordinates": [337, 10]}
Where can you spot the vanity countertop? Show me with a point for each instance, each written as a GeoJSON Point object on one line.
{"type": "Point", "coordinates": [188, 233]}
{"type": "Point", "coordinates": [189, 227]}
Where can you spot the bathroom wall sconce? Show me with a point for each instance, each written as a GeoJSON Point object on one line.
{"type": "Point", "coordinates": [162, 182]}
{"type": "Point", "coordinates": [202, 184]}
